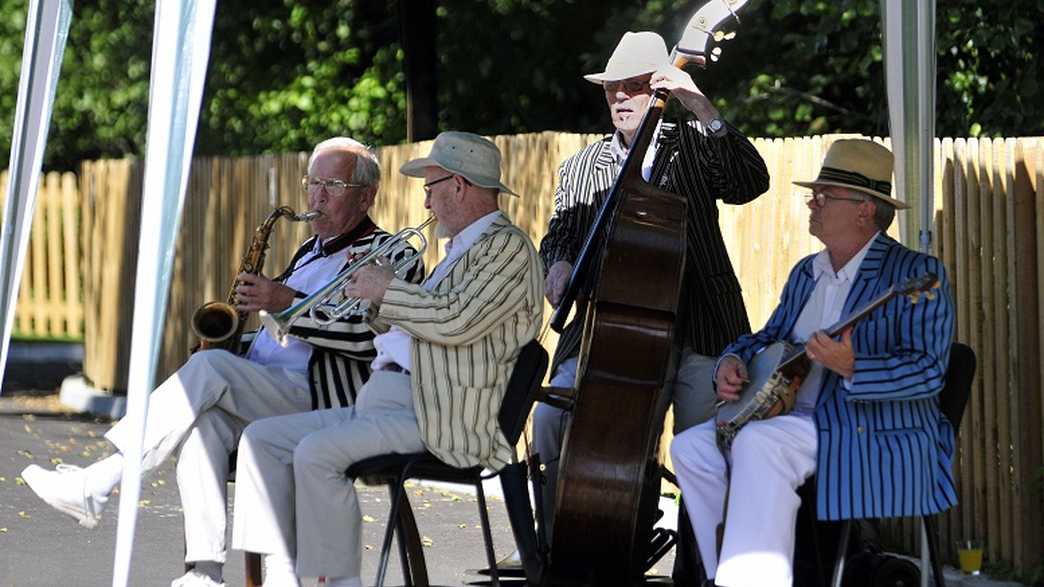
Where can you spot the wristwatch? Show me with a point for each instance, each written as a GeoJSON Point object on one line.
{"type": "Point", "coordinates": [716, 126]}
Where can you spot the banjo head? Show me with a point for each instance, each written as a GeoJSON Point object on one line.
{"type": "Point", "coordinates": [760, 370]}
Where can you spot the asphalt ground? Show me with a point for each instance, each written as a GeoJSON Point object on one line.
{"type": "Point", "coordinates": [40, 547]}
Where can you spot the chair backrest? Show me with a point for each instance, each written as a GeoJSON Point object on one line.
{"type": "Point", "coordinates": [521, 390]}
{"type": "Point", "coordinates": [959, 373]}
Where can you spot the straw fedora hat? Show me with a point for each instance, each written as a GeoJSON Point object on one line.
{"type": "Point", "coordinates": [861, 165]}
{"type": "Point", "coordinates": [462, 153]}
{"type": "Point", "coordinates": [636, 54]}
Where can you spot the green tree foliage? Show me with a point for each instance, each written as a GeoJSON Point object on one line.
{"type": "Point", "coordinates": [282, 75]}
{"type": "Point", "coordinates": [286, 73]}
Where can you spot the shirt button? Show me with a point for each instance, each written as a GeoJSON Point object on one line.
{"type": "Point", "coordinates": [860, 429]}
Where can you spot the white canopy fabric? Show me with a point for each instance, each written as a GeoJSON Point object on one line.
{"type": "Point", "coordinates": [180, 51]}
{"type": "Point", "coordinates": [909, 43]}
{"type": "Point", "coordinates": [46, 30]}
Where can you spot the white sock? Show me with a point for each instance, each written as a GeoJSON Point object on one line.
{"type": "Point", "coordinates": [104, 475]}
{"type": "Point", "coordinates": [279, 571]}
{"type": "Point", "coordinates": [343, 582]}
{"type": "Point", "coordinates": [211, 569]}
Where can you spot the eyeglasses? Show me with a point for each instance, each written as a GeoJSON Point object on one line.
{"type": "Point", "coordinates": [427, 187]}
{"type": "Point", "coordinates": [629, 86]}
{"type": "Point", "coordinates": [821, 198]}
{"type": "Point", "coordinates": [335, 188]}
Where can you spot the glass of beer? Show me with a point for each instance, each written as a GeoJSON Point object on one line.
{"type": "Point", "coordinates": [969, 553]}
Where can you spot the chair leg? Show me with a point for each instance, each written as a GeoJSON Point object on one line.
{"type": "Point", "coordinates": [252, 562]}
{"type": "Point", "coordinates": [842, 550]}
{"type": "Point", "coordinates": [393, 516]}
{"type": "Point", "coordinates": [487, 535]}
{"type": "Point", "coordinates": [930, 540]}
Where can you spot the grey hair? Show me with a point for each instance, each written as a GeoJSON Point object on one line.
{"type": "Point", "coordinates": [367, 168]}
{"type": "Point", "coordinates": [884, 213]}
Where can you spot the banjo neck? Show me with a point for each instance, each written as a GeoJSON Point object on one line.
{"type": "Point", "coordinates": [912, 288]}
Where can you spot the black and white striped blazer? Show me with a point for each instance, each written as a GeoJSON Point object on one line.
{"type": "Point", "coordinates": [688, 162]}
{"type": "Point", "coordinates": [342, 352]}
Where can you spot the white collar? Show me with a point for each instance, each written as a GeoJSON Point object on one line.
{"type": "Point", "coordinates": [821, 264]}
{"type": "Point", "coordinates": [463, 240]}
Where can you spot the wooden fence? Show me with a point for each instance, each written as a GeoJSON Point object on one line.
{"type": "Point", "coordinates": [989, 230]}
{"type": "Point", "coordinates": [49, 298]}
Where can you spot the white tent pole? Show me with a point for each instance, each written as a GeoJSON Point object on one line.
{"type": "Point", "coordinates": [180, 50]}
{"type": "Point", "coordinates": [46, 30]}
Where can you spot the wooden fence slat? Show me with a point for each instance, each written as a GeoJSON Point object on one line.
{"type": "Point", "coordinates": [972, 298]}
{"type": "Point", "coordinates": [984, 346]}
{"type": "Point", "coordinates": [1027, 412]}
{"type": "Point", "coordinates": [1001, 355]}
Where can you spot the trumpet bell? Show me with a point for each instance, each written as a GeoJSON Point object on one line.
{"type": "Point", "coordinates": [215, 321]}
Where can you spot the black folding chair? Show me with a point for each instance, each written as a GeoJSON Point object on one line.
{"type": "Point", "coordinates": [394, 470]}
{"type": "Point", "coordinates": [952, 400]}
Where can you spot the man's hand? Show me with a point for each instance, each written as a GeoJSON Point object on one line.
{"type": "Point", "coordinates": [369, 283]}
{"type": "Point", "coordinates": [732, 374]}
{"type": "Point", "coordinates": [557, 279]}
{"type": "Point", "coordinates": [836, 356]}
{"type": "Point", "coordinates": [681, 86]}
{"type": "Point", "coordinates": [256, 292]}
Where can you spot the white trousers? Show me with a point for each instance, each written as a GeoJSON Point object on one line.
{"type": "Point", "coordinates": [692, 394]}
{"type": "Point", "coordinates": [770, 460]}
{"type": "Point", "coordinates": [292, 496]}
{"type": "Point", "coordinates": [203, 408]}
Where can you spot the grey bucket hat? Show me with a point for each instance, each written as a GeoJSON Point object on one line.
{"type": "Point", "coordinates": [462, 153]}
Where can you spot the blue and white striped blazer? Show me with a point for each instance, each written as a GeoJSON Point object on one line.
{"type": "Point", "coordinates": [885, 450]}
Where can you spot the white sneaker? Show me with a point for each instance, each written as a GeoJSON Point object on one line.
{"type": "Point", "coordinates": [194, 578]}
{"type": "Point", "coordinates": [65, 489]}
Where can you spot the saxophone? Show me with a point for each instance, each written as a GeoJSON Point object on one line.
{"type": "Point", "coordinates": [219, 325]}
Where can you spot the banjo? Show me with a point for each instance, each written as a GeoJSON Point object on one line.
{"type": "Point", "coordinates": [776, 373]}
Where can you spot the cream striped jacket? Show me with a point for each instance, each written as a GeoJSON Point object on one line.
{"type": "Point", "coordinates": [467, 334]}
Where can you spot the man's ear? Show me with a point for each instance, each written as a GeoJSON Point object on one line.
{"type": "Point", "coordinates": [369, 196]}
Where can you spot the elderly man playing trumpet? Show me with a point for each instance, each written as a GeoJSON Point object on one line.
{"type": "Point", "coordinates": [203, 408]}
{"type": "Point", "coordinates": [445, 354]}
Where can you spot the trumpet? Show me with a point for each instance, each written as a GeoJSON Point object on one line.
{"type": "Point", "coordinates": [329, 304]}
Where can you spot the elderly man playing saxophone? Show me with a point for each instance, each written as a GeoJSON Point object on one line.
{"type": "Point", "coordinates": [203, 408]}
{"type": "Point", "coordinates": [445, 354]}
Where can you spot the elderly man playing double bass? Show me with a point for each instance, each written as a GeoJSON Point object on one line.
{"type": "Point", "coordinates": [866, 419]}
{"type": "Point", "coordinates": [446, 352]}
{"type": "Point", "coordinates": [702, 158]}
{"type": "Point", "coordinates": [200, 411]}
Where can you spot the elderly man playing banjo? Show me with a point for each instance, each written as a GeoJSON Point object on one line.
{"type": "Point", "coordinates": [866, 419]}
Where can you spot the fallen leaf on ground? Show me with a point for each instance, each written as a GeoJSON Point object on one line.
{"type": "Point", "coordinates": [425, 541]}
{"type": "Point", "coordinates": [19, 481]}
{"type": "Point", "coordinates": [144, 503]}
{"type": "Point", "coordinates": [24, 515]}
{"type": "Point", "coordinates": [369, 519]}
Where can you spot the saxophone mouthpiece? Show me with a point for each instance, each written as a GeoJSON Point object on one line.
{"type": "Point", "coordinates": [307, 216]}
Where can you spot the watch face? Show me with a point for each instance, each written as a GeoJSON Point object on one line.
{"type": "Point", "coordinates": [715, 125]}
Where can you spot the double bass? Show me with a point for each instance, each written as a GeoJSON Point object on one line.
{"type": "Point", "coordinates": [629, 271]}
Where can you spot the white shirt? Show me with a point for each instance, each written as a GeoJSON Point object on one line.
{"type": "Point", "coordinates": [619, 151]}
{"type": "Point", "coordinates": [308, 276]}
{"type": "Point", "coordinates": [394, 346]}
{"type": "Point", "coordinates": [823, 310]}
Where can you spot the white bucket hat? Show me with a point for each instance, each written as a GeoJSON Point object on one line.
{"type": "Point", "coordinates": [462, 153]}
{"type": "Point", "coordinates": [636, 54]}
